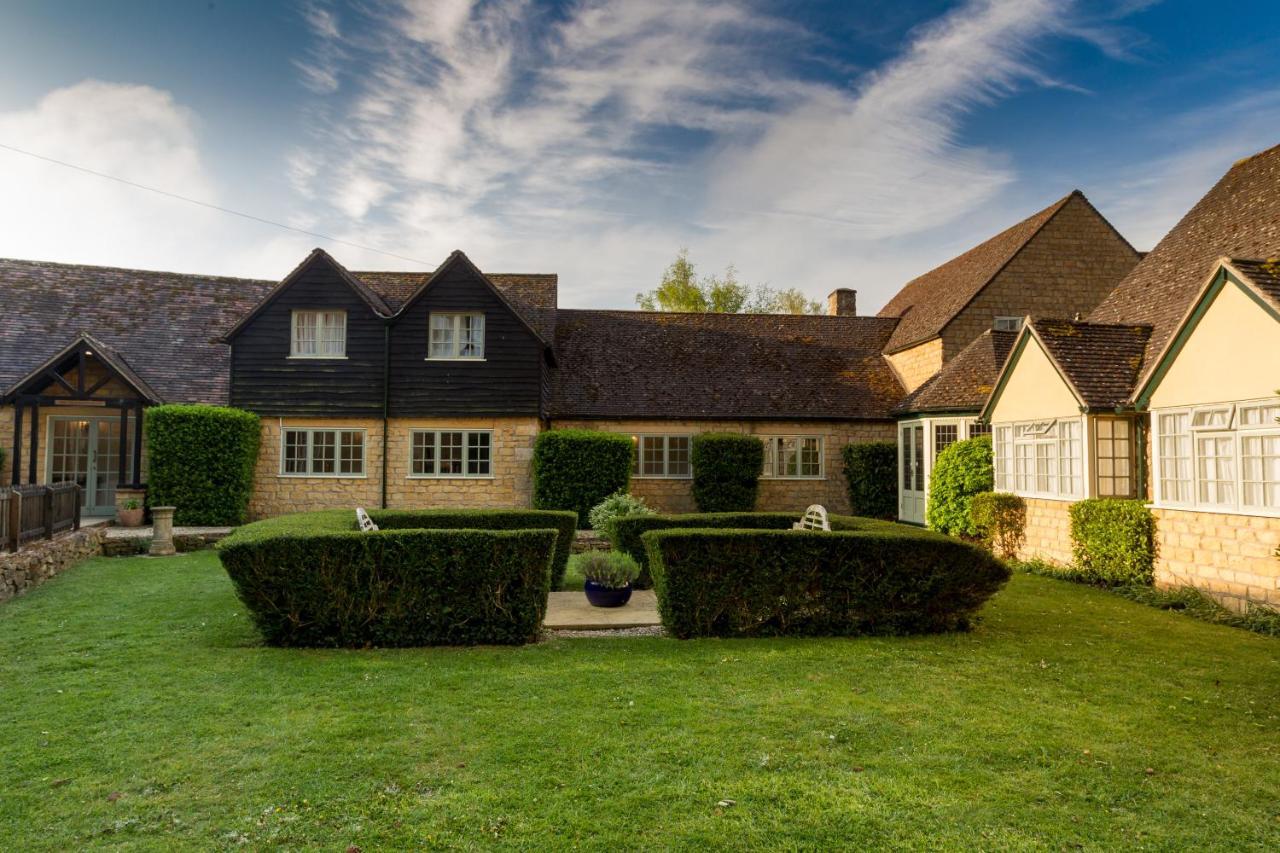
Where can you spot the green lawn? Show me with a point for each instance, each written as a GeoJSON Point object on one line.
{"type": "Point", "coordinates": [136, 708]}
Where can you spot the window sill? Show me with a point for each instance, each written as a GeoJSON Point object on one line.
{"type": "Point", "coordinates": [660, 477]}
{"type": "Point", "coordinates": [1217, 510]}
{"type": "Point", "coordinates": [459, 358]}
{"type": "Point", "coordinates": [323, 476]}
{"type": "Point", "coordinates": [317, 358]}
{"type": "Point", "coordinates": [808, 479]}
{"type": "Point", "coordinates": [450, 477]}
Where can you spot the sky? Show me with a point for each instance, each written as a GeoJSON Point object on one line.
{"type": "Point", "coordinates": [854, 143]}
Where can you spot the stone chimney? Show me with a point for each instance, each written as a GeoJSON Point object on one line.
{"type": "Point", "coordinates": [842, 302]}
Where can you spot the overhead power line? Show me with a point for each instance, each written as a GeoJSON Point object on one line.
{"type": "Point", "coordinates": [209, 206]}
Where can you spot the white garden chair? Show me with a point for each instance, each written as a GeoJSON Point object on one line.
{"type": "Point", "coordinates": [365, 522]}
{"type": "Point", "coordinates": [815, 518]}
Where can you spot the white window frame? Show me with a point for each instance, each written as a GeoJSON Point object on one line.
{"type": "Point", "coordinates": [637, 469]}
{"type": "Point", "coordinates": [323, 318]}
{"type": "Point", "coordinates": [309, 456]}
{"type": "Point", "coordinates": [466, 453]}
{"type": "Point", "coordinates": [455, 340]}
{"type": "Point", "coordinates": [1230, 425]}
{"type": "Point", "coordinates": [1041, 439]}
{"type": "Point", "coordinates": [772, 445]}
{"type": "Point", "coordinates": [1014, 322]}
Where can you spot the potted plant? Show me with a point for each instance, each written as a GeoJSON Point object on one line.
{"type": "Point", "coordinates": [607, 577]}
{"type": "Point", "coordinates": [130, 513]}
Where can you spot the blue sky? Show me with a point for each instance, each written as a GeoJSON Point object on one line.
{"type": "Point", "coordinates": [811, 144]}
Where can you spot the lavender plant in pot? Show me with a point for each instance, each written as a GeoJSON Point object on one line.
{"type": "Point", "coordinates": [607, 577]}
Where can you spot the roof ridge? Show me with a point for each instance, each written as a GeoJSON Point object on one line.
{"type": "Point", "coordinates": [196, 275]}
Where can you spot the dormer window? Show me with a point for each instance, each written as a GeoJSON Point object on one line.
{"type": "Point", "coordinates": [319, 334]}
{"type": "Point", "coordinates": [1007, 324]}
{"type": "Point", "coordinates": [457, 336]}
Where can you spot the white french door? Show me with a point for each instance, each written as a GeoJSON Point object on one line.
{"type": "Point", "coordinates": [911, 472]}
{"type": "Point", "coordinates": [87, 451]}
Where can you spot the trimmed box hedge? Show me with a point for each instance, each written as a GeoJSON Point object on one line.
{"type": "Point", "coordinates": [871, 475]}
{"type": "Point", "coordinates": [767, 583]}
{"type": "Point", "coordinates": [962, 470]}
{"type": "Point", "coordinates": [564, 522]}
{"type": "Point", "coordinates": [726, 471]}
{"type": "Point", "coordinates": [626, 533]}
{"type": "Point", "coordinates": [1113, 541]}
{"type": "Point", "coordinates": [575, 469]}
{"type": "Point", "coordinates": [313, 579]}
{"type": "Point", "coordinates": [201, 461]}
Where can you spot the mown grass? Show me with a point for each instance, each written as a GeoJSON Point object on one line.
{"type": "Point", "coordinates": [137, 708]}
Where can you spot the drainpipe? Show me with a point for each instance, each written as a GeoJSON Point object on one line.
{"type": "Point", "coordinates": [386, 396]}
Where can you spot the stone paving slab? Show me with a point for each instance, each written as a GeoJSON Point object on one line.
{"type": "Point", "coordinates": [570, 611]}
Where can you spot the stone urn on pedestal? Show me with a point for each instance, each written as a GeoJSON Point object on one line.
{"type": "Point", "coordinates": [162, 532]}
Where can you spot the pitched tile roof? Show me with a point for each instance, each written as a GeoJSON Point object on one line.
{"type": "Point", "coordinates": [637, 364]}
{"type": "Point", "coordinates": [532, 294]}
{"type": "Point", "coordinates": [1238, 217]}
{"type": "Point", "coordinates": [1102, 362]}
{"type": "Point", "coordinates": [966, 381]}
{"type": "Point", "coordinates": [161, 324]}
{"type": "Point", "coordinates": [1264, 274]}
{"type": "Point", "coordinates": [928, 303]}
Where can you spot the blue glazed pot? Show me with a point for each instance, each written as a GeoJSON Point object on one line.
{"type": "Point", "coordinates": [606, 596]}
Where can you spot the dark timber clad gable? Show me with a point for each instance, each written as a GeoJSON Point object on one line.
{"type": "Point", "coordinates": [507, 382]}
{"type": "Point", "coordinates": [264, 379]}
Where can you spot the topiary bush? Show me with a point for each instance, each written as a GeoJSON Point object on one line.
{"type": "Point", "coordinates": [871, 474]}
{"type": "Point", "coordinates": [575, 469]}
{"type": "Point", "coordinates": [628, 531]}
{"type": "Point", "coordinates": [312, 579]}
{"type": "Point", "coordinates": [563, 521]}
{"type": "Point", "coordinates": [764, 583]}
{"type": "Point", "coordinates": [1113, 541]}
{"type": "Point", "coordinates": [961, 471]}
{"type": "Point", "coordinates": [726, 471]}
{"type": "Point", "coordinates": [201, 461]}
{"type": "Point", "coordinates": [616, 506]}
{"type": "Point", "coordinates": [1000, 520]}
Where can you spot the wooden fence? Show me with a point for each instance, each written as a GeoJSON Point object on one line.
{"type": "Point", "coordinates": [38, 512]}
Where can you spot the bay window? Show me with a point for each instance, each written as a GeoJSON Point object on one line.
{"type": "Point", "coordinates": [1222, 458]}
{"type": "Point", "coordinates": [1040, 459]}
{"type": "Point", "coordinates": [793, 457]}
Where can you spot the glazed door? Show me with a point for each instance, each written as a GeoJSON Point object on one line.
{"type": "Point", "coordinates": [87, 451]}
{"type": "Point", "coordinates": [911, 473]}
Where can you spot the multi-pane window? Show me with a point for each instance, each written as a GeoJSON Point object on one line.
{"type": "Point", "coordinates": [456, 336]}
{"type": "Point", "coordinates": [1113, 446]}
{"type": "Point", "coordinates": [977, 428]}
{"type": "Point", "coordinates": [450, 453]}
{"type": "Point", "coordinates": [944, 435]}
{"type": "Point", "coordinates": [792, 456]}
{"type": "Point", "coordinates": [1040, 458]}
{"type": "Point", "coordinates": [1007, 324]}
{"type": "Point", "coordinates": [662, 456]}
{"type": "Point", "coordinates": [1174, 456]}
{"type": "Point", "coordinates": [1220, 457]}
{"type": "Point", "coordinates": [323, 453]}
{"type": "Point", "coordinates": [319, 334]}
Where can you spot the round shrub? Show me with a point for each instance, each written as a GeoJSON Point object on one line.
{"type": "Point", "coordinates": [313, 579]}
{"type": "Point", "coordinates": [1113, 541]}
{"type": "Point", "coordinates": [616, 505]}
{"type": "Point", "coordinates": [871, 473]}
{"type": "Point", "coordinates": [575, 469]}
{"type": "Point", "coordinates": [201, 461]}
{"type": "Point", "coordinates": [769, 583]}
{"type": "Point", "coordinates": [1000, 520]}
{"type": "Point", "coordinates": [726, 471]}
{"type": "Point", "coordinates": [961, 471]}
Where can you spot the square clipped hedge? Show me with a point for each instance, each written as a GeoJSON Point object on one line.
{"type": "Point", "coordinates": [564, 523]}
{"type": "Point", "coordinates": [1113, 541]}
{"type": "Point", "coordinates": [871, 475]}
{"type": "Point", "coordinates": [575, 469]}
{"type": "Point", "coordinates": [201, 461]}
{"type": "Point", "coordinates": [626, 533]}
{"type": "Point", "coordinates": [312, 579]}
{"type": "Point", "coordinates": [767, 583]}
{"type": "Point", "coordinates": [726, 471]}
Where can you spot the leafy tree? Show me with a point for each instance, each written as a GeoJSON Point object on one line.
{"type": "Point", "coordinates": [682, 289]}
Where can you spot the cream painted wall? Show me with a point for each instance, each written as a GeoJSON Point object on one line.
{"type": "Point", "coordinates": [1233, 354]}
{"type": "Point", "coordinates": [1035, 390]}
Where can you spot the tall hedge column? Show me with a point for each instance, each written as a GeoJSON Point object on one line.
{"type": "Point", "coordinates": [202, 462]}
